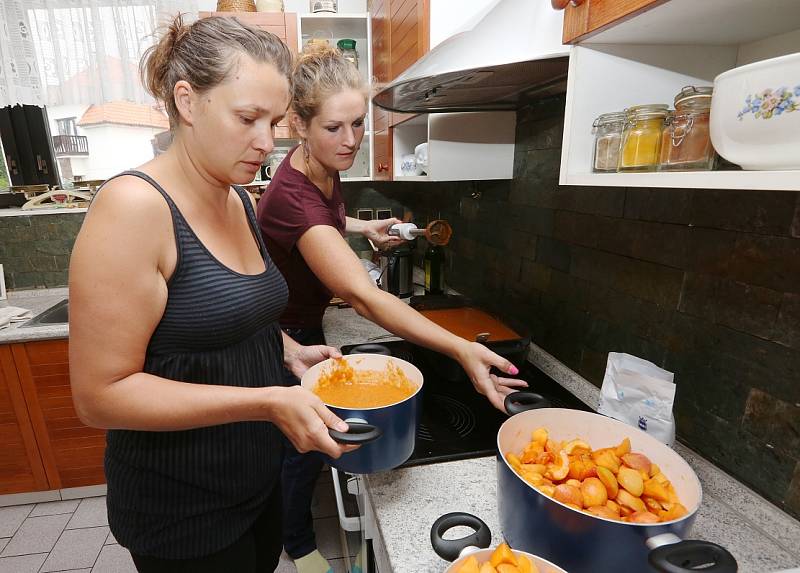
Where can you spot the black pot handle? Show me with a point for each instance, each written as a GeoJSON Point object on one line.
{"type": "Point", "coordinates": [692, 555]}
{"type": "Point", "coordinates": [450, 549]}
{"type": "Point", "coordinates": [359, 433]}
{"type": "Point", "coordinates": [517, 402]}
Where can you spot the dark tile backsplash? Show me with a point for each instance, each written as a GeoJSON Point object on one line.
{"type": "Point", "coordinates": [705, 283]}
{"type": "Point", "coordinates": [35, 249]}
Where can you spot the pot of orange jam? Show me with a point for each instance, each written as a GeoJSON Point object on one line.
{"type": "Point", "coordinates": [380, 398]}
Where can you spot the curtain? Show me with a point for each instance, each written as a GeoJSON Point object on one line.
{"type": "Point", "coordinates": [61, 52]}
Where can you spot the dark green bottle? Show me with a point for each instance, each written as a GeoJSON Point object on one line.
{"type": "Point", "coordinates": [434, 269]}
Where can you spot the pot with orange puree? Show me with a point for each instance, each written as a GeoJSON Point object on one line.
{"type": "Point", "coordinates": [346, 387]}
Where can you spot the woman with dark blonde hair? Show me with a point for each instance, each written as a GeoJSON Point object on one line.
{"type": "Point", "coordinates": [175, 346]}
{"type": "Point", "coordinates": [303, 222]}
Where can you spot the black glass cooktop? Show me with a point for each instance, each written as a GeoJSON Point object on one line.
{"type": "Point", "coordinates": [456, 422]}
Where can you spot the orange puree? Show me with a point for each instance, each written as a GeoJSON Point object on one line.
{"type": "Point", "coordinates": [468, 323]}
{"type": "Point", "coordinates": [343, 386]}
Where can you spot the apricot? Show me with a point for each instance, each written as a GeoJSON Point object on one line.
{"type": "Point", "coordinates": [487, 568]}
{"type": "Point", "coordinates": [623, 448]}
{"type": "Point", "coordinates": [569, 494]}
{"type": "Point", "coordinates": [594, 492]}
{"type": "Point", "coordinates": [638, 462]}
{"type": "Point", "coordinates": [643, 517]}
{"type": "Point", "coordinates": [607, 458]}
{"type": "Point", "coordinates": [609, 480]}
{"type": "Point", "coordinates": [470, 565]}
{"type": "Point", "coordinates": [603, 511]}
{"type": "Point", "coordinates": [503, 554]}
{"type": "Point", "coordinates": [656, 489]}
{"type": "Point", "coordinates": [631, 480]}
{"type": "Point", "coordinates": [629, 501]}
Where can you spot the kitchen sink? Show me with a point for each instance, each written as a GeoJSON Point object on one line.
{"type": "Point", "coordinates": [56, 314]}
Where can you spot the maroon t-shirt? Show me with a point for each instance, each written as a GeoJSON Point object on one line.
{"type": "Point", "coordinates": [289, 208]}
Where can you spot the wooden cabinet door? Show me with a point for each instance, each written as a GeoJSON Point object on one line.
{"type": "Point", "coordinates": [72, 453]}
{"type": "Point", "coordinates": [409, 34]}
{"type": "Point", "coordinates": [21, 468]}
{"type": "Point", "coordinates": [381, 70]}
{"type": "Point", "coordinates": [283, 25]}
{"type": "Point", "coordinates": [593, 16]}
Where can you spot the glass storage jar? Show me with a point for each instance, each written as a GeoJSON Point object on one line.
{"type": "Point", "coordinates": [686, 140]}
{"type": "Point", "coordinates": [348, 49]}
{"type": "Point", "coordinates": [641, 137]}
{"type": "Point", "coordinates": [324, 5]}
{"type": "Point", "coordinates": [607, 130]}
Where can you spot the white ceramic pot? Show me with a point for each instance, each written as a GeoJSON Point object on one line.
{"type": "Point", "coordinates": [755, 114]}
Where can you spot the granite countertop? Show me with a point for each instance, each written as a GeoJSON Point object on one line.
{"type": "Point", "coordinates": [761, 537]}
{"type": "Point", "coordinates": [36, 301]}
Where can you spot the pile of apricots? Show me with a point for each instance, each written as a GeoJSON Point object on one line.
{"type": "Point", "coordinates": [502, 560]}
{"type": "Point", "coordinates": [614, 482]}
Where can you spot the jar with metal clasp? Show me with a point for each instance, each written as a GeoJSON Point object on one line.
{"type": "Point", "coordinates": [607, 130]}
{"type": "Point", "coordinates": [641, 137]}
{"type": "Point", "coordinates": [348, 49]}
{"type": "Point", "coordinates": [686, 140]}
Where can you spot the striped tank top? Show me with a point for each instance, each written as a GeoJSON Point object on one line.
{"type": "Point", "coordinates": [190, 493]}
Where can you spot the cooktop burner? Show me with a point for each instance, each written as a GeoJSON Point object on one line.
{"type": "Point", "coordinates": [456, 422]}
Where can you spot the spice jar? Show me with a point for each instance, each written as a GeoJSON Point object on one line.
{"type": "Point", "coordinates": [607, 130]}
{"type": "Point", "coordinates": [348, 49]}
{"type": "Point", "coordinates": [686, 140]}
{"type": "Point", "coordinates": [641, 137]}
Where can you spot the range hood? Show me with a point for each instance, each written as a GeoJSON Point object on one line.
{"type": "Point", "coordinates": [511, 55]}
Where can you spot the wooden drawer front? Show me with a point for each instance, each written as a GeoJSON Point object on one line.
{"type": "Point", "coordinates": [21, 468]}
{"type": "Point", "coordinates": [379, 11]}
{"type": "Point", "coordinates": [72, 452]}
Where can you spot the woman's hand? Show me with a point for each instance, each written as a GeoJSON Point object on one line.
{"type": "Point", "coordinates": [477, 361]}
{"type": "Point", "coordinates": [376, 231]}
{"type": "Point", "coordinates": [304, 420]}
{"type": "Point", "coordinates": [301, 358]}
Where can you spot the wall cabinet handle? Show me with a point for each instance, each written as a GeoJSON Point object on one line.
{"type": "Point", "coordinates": [561, 4]}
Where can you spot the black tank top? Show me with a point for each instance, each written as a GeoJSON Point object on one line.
{"type": "Point", "coordinates": [185, 494]}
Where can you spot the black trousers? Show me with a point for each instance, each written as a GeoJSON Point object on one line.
{"type": "Point", "coordinates": [257, 551]}
{"type": "Point", "coordinates": [299, 475]}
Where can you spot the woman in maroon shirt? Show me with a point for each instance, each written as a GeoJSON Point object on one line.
{"type": "Point", "coordinates": [302, 219]}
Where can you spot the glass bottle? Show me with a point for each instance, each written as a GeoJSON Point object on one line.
{"type": "Point", "coordinates": [641, 137]}
{"type": "Point", "coordinates": [607, 130]}
{"type": "Point", "coordinates": [348, 49]}
{"type": "Point", "coordinates": [434, 269]}
{"type": "Point", "coordinates": [686, 140]}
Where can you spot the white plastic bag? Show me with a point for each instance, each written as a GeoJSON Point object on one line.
{"type": "Point", "coordinates": [639, 393]}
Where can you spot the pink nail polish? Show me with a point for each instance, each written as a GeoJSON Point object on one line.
{"type": "Point", "coordinates": [513, 370]}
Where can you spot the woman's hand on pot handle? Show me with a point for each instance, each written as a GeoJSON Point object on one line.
{"type": "Point", "coordinates": [304, 420]}
{"type": "Point", "coordinates": [300, 358]}
{"type": "Point", "coordinates": [477, 361]}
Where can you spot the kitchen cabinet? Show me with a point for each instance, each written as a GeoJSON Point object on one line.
{"type": "Point", "coordinates": [283, 25]}
{"type": "Point", "coordinates": [648, 56]}
{"type": "Point", "coordinates": [592, 16]}
{"type": "Point", "coordinates": [21, 468]}
{"type": "Point", "coordinates": [381, 72]}
{"type": "Point", "coordinates": [71, 453]}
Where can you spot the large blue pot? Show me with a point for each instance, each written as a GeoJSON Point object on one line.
{"type": "Point", "coordinates": [583, 543]}
{"type": "Point", "coordinates": [396, 423]}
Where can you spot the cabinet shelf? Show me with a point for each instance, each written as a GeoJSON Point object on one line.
{"type": "Point", "coordinates": [762, 180]}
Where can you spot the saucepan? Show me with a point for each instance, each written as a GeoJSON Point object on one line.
{"type": "Point", "coordinates": [385, 433]}
{"type": "Point", "coordinates": [475, 545]}
{"type": "Point", "coordinates": [580, 542]}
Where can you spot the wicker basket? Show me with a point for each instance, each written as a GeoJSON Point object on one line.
{"type": "Point", "coordinates": [236, 6]}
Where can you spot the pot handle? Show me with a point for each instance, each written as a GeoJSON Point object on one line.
{"type": "Point", "coordinates": [689, 555]}
{"type": "Point", "coordinates": [450, 549]}
{"type": "Point", "coordinates": [358, 433]}
{"type": "Point", "coordinates": [517, 402]}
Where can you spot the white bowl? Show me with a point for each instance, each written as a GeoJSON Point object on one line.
{"type": "Point", "coordinates": [755, 114]}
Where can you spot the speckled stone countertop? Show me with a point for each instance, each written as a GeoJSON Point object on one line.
{"type": "Point", "coordinates": [36, 301]}
{"type": "Point", "coordinates": [407, 501]}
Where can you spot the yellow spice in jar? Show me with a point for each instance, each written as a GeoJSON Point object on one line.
{"type": "Point", "coordinates": [642, 144]}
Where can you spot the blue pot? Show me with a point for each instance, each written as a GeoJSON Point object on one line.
{"type": "Point", "coordinates": [396, 424]}
{"type": "Point", "coordinates": [583, 543]}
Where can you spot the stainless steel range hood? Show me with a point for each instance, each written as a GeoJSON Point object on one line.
{"type": "Point", "coordinates": [514, 53]}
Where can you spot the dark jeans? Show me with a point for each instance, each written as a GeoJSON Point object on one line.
{"type": "Point", "coordinates": [300, 473]}
{"type": "Point", "coordinates": [257, 551]}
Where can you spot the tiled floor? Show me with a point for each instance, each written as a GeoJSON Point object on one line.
{"type": "Point", "coordinates": [73, 536]}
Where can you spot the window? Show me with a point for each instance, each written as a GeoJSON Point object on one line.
{"type": "Point", "coordinates": [66, 126]}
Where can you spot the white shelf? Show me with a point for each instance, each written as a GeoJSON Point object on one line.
{"type": "Point", "coordinates": [411, 178]}
{"type": "Point", "coordinates": [762, 180]}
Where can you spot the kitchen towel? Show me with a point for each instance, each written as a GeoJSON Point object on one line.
{"type": "Point", "coordinates": [12, 314]}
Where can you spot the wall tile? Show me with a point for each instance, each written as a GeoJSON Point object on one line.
{"type": "Point", "coordinates": [787, 326]}
{"type": "Point", "coordinates": [664, 205]}
{"type": "Point", "coordinates": [793, 492]}
{"type": "Point", "coordinates": [554, 253]}
{"type": "Point", "coordinates": [762, 212]}
{"type": "Point", "coordinates": [774, 421]}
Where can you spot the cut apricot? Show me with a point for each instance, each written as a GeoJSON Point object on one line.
{"type": "Point", "coordinates": [470, 565]}
{"type": "Point", "coordinates": [631, 480]}
{"type": "Point", "coordinates": [594, 492]}
{"type": "Point", "coordinates": [525, 565]}
{"type": "Point", "coordinates": [506, 568]}
{"type": "Point", "coordinates": [637, 461]}
{"type": "Point", "coordinates": [623, 448]}
{"type": "Point", "coordinates": [487, 568]}
{"type": "Point", "coordinates": [609, 480]}
{"type": "Point", "coordinates": [502, 554]}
